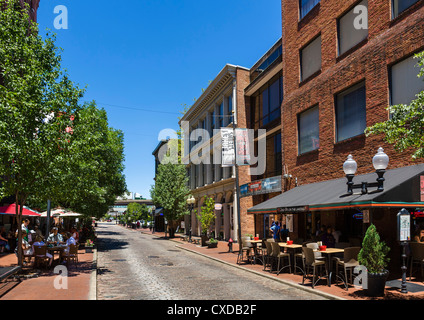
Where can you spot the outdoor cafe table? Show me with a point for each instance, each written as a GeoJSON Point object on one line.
{"type": "Point", "coordinates": [328, 252]}
{"type": "Point", "coordinates": [54, 249]}
{"type": "Point", "coordinates": [255, 247]}
{"type": "Point", "coordinates": [293, 248]}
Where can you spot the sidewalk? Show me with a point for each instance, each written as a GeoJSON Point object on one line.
{"type": "Point", "coordinates": [222, 254]}
{"type": "Point", "coordinates": [40, 284]}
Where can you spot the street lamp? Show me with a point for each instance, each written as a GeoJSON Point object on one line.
{"type": "Point", "coordinates": [380, 163]}
{"type": "Point", "coordinates": [190, 201]}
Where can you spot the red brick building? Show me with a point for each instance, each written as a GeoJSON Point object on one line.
{"type": "Point", "coordinates": [338, 79]}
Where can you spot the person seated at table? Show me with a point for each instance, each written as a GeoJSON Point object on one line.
{"type": "Point", "coordinates": [55, 237]}
{"type": "Point", "coordinates": [328, 239]}
{"type": "Point", "coordinates": [27, 249]}
{"type": "Point", "coordinates": [75, 234]}
{"type": "Point", "coordinates": [419, 235]}
{"type": "Point", "coordinates": [39, 243]}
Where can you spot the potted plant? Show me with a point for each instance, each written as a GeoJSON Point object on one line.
{"type": "Point", "coordinates": [212, 243]}
{"type": "Point", "coordinates": [89, 244]}
{"type": "Point", "coordinates": [373, 256]}
{"type": "Point", "coordinates": [206, 218]}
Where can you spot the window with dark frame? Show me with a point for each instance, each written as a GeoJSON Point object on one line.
{"type": "Point", "coordinates": [310, 59]}
{"type": "Point", "coordinates": [351, 112]}
{"type": "Point", "coordinates": [348, 36]}
{"type": "Point", "coordinates": [272, 97]}
{"type": "Point", "coordinates": [404, 81]}
{"type": "Point", "coordinates": [398, 6]}
{"type": "Point", "coordinates": [306, 6]}
{"type": "Point", "coordinates": [278, 154]}
{"type": "Point", "coordinates": [308, 130]}
{"type": "Point", "coordinates": [221, 115]}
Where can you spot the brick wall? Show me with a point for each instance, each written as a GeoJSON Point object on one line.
{"type": "Point", "coordinates": [388, 42]}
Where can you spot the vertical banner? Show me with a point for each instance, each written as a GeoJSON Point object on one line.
{"type": "Point", "coordinates": [422, 188]}
{"type": "Point", "coordinates": [228, 153]}
{"type": "Point", "coordinates": [289, 222]}
{"type": "Point", "coordinates": [242, 147]}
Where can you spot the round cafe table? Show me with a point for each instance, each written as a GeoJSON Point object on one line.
{"type": "Point", "coordinates": [54, 249]}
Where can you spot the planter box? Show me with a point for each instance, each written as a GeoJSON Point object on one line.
{"type": "Point", "coordinates": [212, 245]}
{"type": "Point", "coordinates": [376, 284]}
{"type": "Point", "coordinates": [89, 249]}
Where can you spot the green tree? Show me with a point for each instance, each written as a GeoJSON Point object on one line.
{"type": "Point", "coordinates": [137, 211]}
{"type": "Point", "coordinates": [171, 192]}
{"type": "Point", "coordinates": [37, 100]}
{"type": "Point", "coordinates": [405, 128]}
{"type": "Point", "coordinates": [207, 215]}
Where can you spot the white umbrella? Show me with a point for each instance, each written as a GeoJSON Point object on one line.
{"type": "Point", "coordinates": [71, 214]}
{"type": "Point", "coordinates": [56, 213]}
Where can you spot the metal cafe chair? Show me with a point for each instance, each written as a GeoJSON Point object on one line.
{"type": "Point", "coordinates": [312, 261]}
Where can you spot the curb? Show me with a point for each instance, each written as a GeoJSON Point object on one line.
{"type": "Point", "coordinates": [297, 286]}
{"type": "Point", "coordinates": [92, 294]}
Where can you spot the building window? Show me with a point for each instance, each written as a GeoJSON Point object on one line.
{"type": "Point", "coordinates": [221, 115]}
{"type": "Point", "coordinates": [348, 35]}
{"type": "Point", "coordinates": [278, 154]}
{"type": "Point", "coordinates": [230, 108]}
{"type": "Point", "coordinates": [272, 97]}
{"type": "Point", "coordinates": [401, 5]}
{"type": "Point", "coordinates": [213, 121]}
{"type": "Point", "coordinates": [308, 127]}
{"type": "Point", "coordinates": [306, 6]}
{"type": "Point", "coordinates": [310, 59]}
{"type": "Point", "coordinates": [404, 81]}
{"type": "Point", "coordinates": [351, 112]}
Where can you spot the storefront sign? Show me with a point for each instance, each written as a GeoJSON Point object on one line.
{"type": "Point", "coordinates": [365, 216]}
{"type": "Point", "coordinates": [227, 140]}
{"type": "Point", "coordinates": [263, 186]}
{"type": "Point", "coordinates": [293, 209]}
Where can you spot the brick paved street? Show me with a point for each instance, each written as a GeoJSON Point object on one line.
{"type": "Point", "coordinates": [132, 265]}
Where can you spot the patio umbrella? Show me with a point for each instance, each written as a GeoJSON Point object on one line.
{"type": "Point", "coordinates": [54, 213]}
{"type": "Point", "coordinates": [11, 209]}
{"type": "Point", "coordinates": [71, 214]}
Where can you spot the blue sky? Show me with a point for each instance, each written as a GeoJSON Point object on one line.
{"type": "Point", "coordinates": [143, 60]}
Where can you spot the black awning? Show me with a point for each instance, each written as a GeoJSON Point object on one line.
{"type": "Point", "coordinates": [401, 189]}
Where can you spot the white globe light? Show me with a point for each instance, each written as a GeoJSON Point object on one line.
{"type": "Point", "coordinates": [380, 160]}
{"type": "Point", "coordinates": [350, 166]}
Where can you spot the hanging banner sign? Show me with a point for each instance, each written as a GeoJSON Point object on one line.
{"type": "Point", "coordinates": [243, 148]}
{"type": "Point", "coordinates": [228, 154]}
{"type": "Point", "coordinates": [422, 188]}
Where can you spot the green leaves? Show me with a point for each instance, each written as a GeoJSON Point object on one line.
{"type": "Point", "coordinates": [171, 190]}
{"type": "Point", "coordinates": [405, 128]}
{"type": "Point", "coordinates": [207, 214]}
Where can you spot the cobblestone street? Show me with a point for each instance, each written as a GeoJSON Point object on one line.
{"type": "Point", "coordinates": [136, 266]}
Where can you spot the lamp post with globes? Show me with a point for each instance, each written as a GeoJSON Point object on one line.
{"type": "Point", "coordinates": [190, 201]}
{"type": "Point", "coordinates": [380, 163]}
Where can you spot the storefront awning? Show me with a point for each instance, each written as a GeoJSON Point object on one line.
{"type": "Point", "coordinates": [401, 189]}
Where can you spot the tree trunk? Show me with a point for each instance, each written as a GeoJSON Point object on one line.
{"type": "Point", "coordinates": [18, 213]}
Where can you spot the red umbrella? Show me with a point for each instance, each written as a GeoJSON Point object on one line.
{"type": "Point", "coordinates": [11, 209]}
